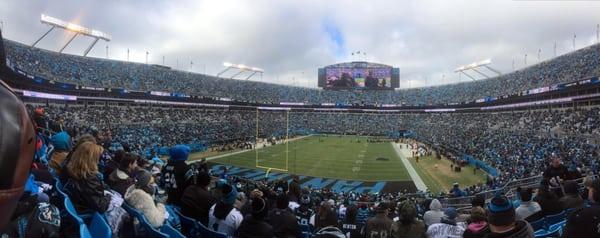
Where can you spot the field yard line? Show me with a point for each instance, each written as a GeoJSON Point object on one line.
{"type": "Point", "coordinates": [411, 171]}
{"type": "Point", "coordinates": [242, 151]}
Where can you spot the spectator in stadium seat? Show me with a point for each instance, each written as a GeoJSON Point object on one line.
{"type": "Point", "coordinates": [254, 224]}
{"type": "Point", "coordinates": [527, 210]}
{"type": "Point", "coordinates": [106, 164]}
{"type": "Point", "coordinates": [62, 146]}
{"type": "Point", "coordinates": [456, 191]}
{"type": "Point", "coordinates": [304, 212]}
{"type": "Point", "coordinates": [584, 221]}
{"type": "Point", "coordinates": [408, 226]}
{"type": "Point", "coordinates": [448, 227]}
{"type": "Point", "coordinates": [548, 200]}
{"type": "Point", "coordinates": [283, 221]}
{"type": "Point", "coordinates": [322, 217]}
{"type": "Point", "coordinates": [363, 213]}
{"type": "Point", "coordinates": [349, 226]}
{"type": "Point", "coordinates": [502, 220]}
{"type": "Point", "coordinates": [477, 225]}
{"type": "Point", "coordinates": [176, 174]}
{"type": "Point", "coordinates": [477, 201]}
{"type": "Point", "coordinates": [435, 213]}
{"type": "Point", "coordinates": [294, 193]}
{"type": "Point", "coordinates": [572, 199]}
{"type": "Point", "coordinates": [573, 172]}
{"type": "Point", "coordinates": [120, 179]}
{"type": "Point", "coordinates": [140, 196]}
{"type": "Point", "coordinates": [326, 223]}
{"type": "Point", "coordinates": [593, 188]}
{"type": "Point", "coordinates": [556, 172]}
{"type": "Point", "coordinates": [379, 226]}
{"type": "Point", "coordinates": [84, 187]}
{"type": "Point", "coordinates": [197, 200]}
{"type": "Point", "coordinates": [155, 159]}
{"type": "Point", "coordinates": [223, 216]}
{"type": "Point", "coordinates": [33, 218]}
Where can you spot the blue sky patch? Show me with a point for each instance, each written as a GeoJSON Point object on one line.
{"type": "Point", "coordinates": [336, 36]}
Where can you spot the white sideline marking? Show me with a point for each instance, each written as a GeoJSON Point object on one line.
{"type": "Point", "coordinates": [411, 171]}
{"type": "Point", "coordinates": [242, 151]}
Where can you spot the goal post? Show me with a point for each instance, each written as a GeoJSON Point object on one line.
{"type": "Point", "coordinates": [270, 159]}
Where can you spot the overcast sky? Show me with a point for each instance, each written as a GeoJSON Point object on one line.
{"type": "Point", "coordinates": [426, 39]}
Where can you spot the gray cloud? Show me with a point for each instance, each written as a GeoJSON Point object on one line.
{"type": "Point", "coordinates": [426, 39]}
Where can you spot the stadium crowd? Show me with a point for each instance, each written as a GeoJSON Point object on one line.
{"type": "Point", "coordinates": [516, 150]}
{"type": "Point", "coordinates": [95, 72]}
{"type": "Point", "coordinates": [135, 191]}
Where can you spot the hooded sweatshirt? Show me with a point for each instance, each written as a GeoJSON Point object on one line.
{"type": "Point", "coordinates": [527, 209]}
{"type": "Point", "coordinates": [476, 229]}
{"type": "Point", "coordinates": [176, 174]}
{"type": "Point", "coordinates": [435, 213]}
{"type": "Point", "coordinates": [224, 218]}
{"type": "Point", "coordinates": [445, 229]}
{"type": "Point", "coordinates": [522, 230]}
{"type": "Point", "coordinates": [142, 201]}
{"type": "Point", "coordinates": [62, 146]}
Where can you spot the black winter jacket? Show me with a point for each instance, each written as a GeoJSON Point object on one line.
{"type": "Point", "coordinates": [196, 203]}
{"type": "Point", "coordinates": [254, 228]}
{"type": "Point", "coordinates": [87, 195]}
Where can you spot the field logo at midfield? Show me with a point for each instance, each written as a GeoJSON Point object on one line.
{"type": "Point", "coordinates": [336, 185]}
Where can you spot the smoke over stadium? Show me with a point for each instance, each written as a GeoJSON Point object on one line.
{"type": "Point", "coordinates": [300, 119]}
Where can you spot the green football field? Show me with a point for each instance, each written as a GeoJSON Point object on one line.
{"type": "Point", "coordinates": [340, 157]}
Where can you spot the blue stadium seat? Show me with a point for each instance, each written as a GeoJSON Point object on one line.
{"type": "Point", "coordinates": [152, 232]}
{"type": "Point", "coordinates": [171, 232]}
{"type": "Point", "coordinates": [556, 218]}
{"type": "Point", "coordinates": [59, 187]}
{"type": "Point", "coordinates": [83, 230]}
{"type": "Point", "coordinates": [539, 224]}
{"type": "Point", "coordinates": [208, 233]}
{"type": "Point", "coordinates": [98, 227]}
{"type": "Point", "coordinates": [550, 233]}
{"type": "Point", "coordinates": [568, 211]}
{"type": "Point", "coordinates": [189, 226]}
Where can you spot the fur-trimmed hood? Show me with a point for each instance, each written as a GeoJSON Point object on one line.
{"type": "Point", "coordinates": [142, 201]}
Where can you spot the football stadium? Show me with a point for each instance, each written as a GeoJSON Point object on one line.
{"type": "Point", "coordinates": [343, 119]}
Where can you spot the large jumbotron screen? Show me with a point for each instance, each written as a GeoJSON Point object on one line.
{"type": "Point", "coordinates": [359, 75]}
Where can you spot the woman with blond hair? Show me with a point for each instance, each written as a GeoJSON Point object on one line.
{"type": "Point", "coordinates": [82, 184]}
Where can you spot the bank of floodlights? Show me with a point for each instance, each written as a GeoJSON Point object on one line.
{"type": "Point", "coordinates": [240, 69]}
{"type": "Point", "coordinates": [72, 27]}
{"type": "Point", "coordinates": [477, 68]}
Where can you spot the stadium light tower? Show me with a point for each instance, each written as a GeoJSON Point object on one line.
{"type": "Point", "coordinates": [240, 68]}
{"type": "Point", "coordinates": [72, 27]}
{"type": "Point", "coordinates": [476, 67]}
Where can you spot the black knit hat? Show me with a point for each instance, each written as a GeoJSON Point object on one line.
{"type": "Point", "coordinates": [478, 201]}
{"type": "Point", "coordinates": [525, 194]}
{"type": "Point", "coordinates": [259, 207]}
{"type": "Point", "coordinates": [202, 178]}
{"type": "Point", "coordinates": [501, 211]}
